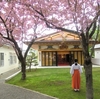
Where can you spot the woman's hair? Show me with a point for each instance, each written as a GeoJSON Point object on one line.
{"type": "Point", "coordinates": [76, 61]}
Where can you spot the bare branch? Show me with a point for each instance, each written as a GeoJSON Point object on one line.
{"type": "Point", "coordinates": [94, 28]}
{"type": "Point", "coordinates": [5, 26]}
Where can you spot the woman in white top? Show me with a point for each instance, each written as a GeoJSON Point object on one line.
{"type": "Point", "coordinates": [75, 71]}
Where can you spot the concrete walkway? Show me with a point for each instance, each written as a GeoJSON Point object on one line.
{"type": "Point", "coordinates": [8, 91]}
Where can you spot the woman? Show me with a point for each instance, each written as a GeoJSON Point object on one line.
{"type": "Point", "coordinates": [75, 71]}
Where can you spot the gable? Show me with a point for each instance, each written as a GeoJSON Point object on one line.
{"type": "Point", "coordinates": [59, 36]}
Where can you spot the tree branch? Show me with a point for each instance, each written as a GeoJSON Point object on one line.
{"type": "Point", "coordinates": [94, 28]}
{"type": "Point", "coordinates": [94, 24]}
{"type": "Point", "coordinates": [5, 26]}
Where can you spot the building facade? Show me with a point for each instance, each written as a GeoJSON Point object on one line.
{"type": "Point", "coordinates": [59, 49]}
{"type": "Point", "coordinates": [60, 57]}
{"type": "Point", "coordinates": [96, 59]}
{"type": "Point", "coordinates": [8, 59]}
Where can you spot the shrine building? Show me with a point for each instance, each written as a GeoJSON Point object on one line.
{"type": "Point", "coordinates": [59, 49]}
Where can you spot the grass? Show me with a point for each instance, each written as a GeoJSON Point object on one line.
{"type": "Point", "coordinates": [57, 83]}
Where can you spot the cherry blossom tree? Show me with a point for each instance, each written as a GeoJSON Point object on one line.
{"type": "Point", "coordinates": [81, 16]}
{"type": "Point", "coordinates": [17, 26]}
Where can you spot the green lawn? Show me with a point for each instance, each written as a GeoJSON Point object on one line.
{"type": "Point", "coordinates": [57, 83]}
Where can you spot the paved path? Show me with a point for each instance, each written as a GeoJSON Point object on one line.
{"type": "Point", "coordinates": [13, 92]}
{"type": "Point", "coordinates": [8, 91]}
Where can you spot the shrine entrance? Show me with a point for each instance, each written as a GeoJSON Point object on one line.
{"type": "Point", "coordinates": [63, 58]}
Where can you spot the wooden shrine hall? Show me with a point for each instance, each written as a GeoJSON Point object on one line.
{"type": "Point", "coordinates": [59, 49]}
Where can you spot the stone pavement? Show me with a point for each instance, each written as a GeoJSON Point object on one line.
{"type": "Point", "coordinates": [8, 91]}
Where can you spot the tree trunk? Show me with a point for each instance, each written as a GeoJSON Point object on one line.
{"type": "Point", "coordinates": [23, 69]}
{"type": "Point", "coordinates": [89, 80]}
{"type": "Point", "coordinates": [87, 65]}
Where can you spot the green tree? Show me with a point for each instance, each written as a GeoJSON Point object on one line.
{"type": "Point", "coordinates": [31, 59]}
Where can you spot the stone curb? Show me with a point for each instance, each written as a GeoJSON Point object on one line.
{"type": "Point", "coordinates": [12, 75]}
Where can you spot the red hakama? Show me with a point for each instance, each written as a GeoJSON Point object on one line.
{"type": "Point", "coordinates": [76, 79]}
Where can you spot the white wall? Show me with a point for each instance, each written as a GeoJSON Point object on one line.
{"type": "Point", "coordinates": [97, 53]}
{"type": "Point", "coordinates": [7, 66]}
{"type": "Point", "coordinates": [96, 59]}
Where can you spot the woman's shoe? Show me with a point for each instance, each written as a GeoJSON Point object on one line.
{"type": "Point", "coordinates": [75, 89]}
{"type": "Point", "coordinates": [78, 90]}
